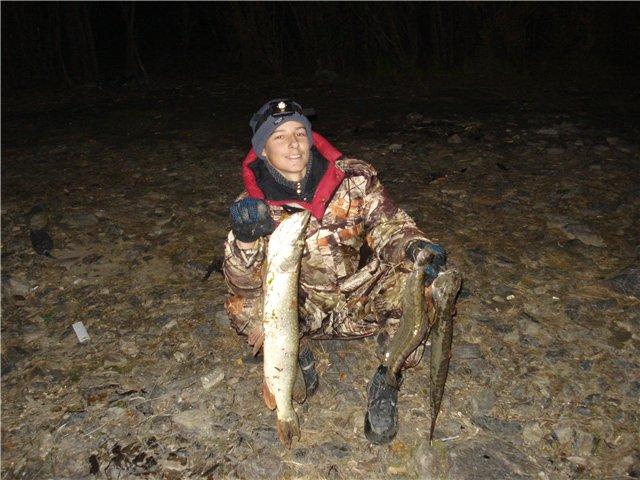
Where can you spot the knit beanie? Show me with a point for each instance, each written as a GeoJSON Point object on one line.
{"type": "Point", "coordinates": [271, 115]}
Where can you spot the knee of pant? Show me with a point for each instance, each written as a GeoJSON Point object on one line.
{"type": "Point", "coordinates": [242, 314]}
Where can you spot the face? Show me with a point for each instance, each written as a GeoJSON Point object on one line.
{"type": "Point", "coordinates": [287, 149]}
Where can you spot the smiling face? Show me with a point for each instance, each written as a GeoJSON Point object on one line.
{"type": "Point", "coordinates": [287, 149]}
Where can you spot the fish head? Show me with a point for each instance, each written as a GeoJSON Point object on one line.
{"type": "Point", "coordinates": [291, 230]}
{"type": "Point", "coordinates": [423, 257]}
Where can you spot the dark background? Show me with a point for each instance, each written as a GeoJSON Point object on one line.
{"type": "Point", "coordinates": [60, 44]}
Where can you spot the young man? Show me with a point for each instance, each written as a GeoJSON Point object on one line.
{"type": "Point", "coordinates": [359, 247]}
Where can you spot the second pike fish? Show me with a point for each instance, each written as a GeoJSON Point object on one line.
{"type": "Point", "coordinates": [280, 322]}
{"type": "Point", "coordinates": [414, 328]}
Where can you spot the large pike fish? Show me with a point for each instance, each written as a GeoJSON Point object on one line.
{"type": "Point", "coordinates": [415, 327]}
{"type": "Point", "coordinates": [280, 322]}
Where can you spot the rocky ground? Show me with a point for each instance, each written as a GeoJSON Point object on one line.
{"type": "Point", "coordinates": [537, 202]}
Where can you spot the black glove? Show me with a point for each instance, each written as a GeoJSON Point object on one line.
{"type": "Point", "coordinates": [437, 262]}
{"type": "Point", "coordinates": [250, 220]}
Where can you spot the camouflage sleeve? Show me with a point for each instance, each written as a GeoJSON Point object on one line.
{"type": "Point", "coordinates": [243, 268]}
{"type": "Point", "coordinates": [388, 228]}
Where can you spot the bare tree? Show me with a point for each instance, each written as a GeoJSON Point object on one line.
{"type": "Point", "coordinates": [133, 66]}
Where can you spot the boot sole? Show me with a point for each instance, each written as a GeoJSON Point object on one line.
{"type": "Point", "coordinates": [379, 438]}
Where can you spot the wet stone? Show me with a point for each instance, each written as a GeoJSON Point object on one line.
{"type": "Point", "coordinates": [265, 434]}
{"type": "Point", "coordinates": [197, 422]}
{"type": "Point", "coordinates": [334, 450]}
{"type": "Point", "coordinates": [555, 151]}
{"type": "Point", "coordinates": [563, 433]}
{"type": "Point", "coordinates": [496, 425]}
{"type": "Point", "coordinates": [483, 402]}
{"type": "Point", "coordinates": [583, 443]}
{"type": "Point", "coordinates": [82, 220]}
{"type": "Point", "coordinates": [265, 465]}
{"type": "Point", "coordinates": [477, 256]}
{"type": "Point", "coordinates": [532, 433]}
{"type": "Point", "coordinates": [487, 459]}
{"type": "Point", "coordinates": [14, 286]}
{"type": "Point", "coordinates": [627, 282]}
{"type": "Point", "coordinates": [467, 351]}
{"type": "Point", "coordinates": [221, 318]}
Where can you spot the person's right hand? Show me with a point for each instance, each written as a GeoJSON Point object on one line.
{"type": "Point", "coordinates": [250, 220]}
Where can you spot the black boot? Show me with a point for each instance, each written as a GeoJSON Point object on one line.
{"type": "Point", "coordinates": [381, 420]}
{"type": "Point", "coordinates": [308, 371]}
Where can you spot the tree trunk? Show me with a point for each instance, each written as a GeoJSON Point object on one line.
{"type": "Point", "coordinates": [133, 66]}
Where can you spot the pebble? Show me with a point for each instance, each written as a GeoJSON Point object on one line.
{"type": "Point", "coordinates": [334, 450]}
{"type": "Point", "coordinates": [581, 232]}
{"type": "Point", "coordinates": [268, 466]}
{"type": "Point", "coordinates": [427, 461]}
{"type": "Point", "coordinates": [198, 422]}
{"type": "Point", "coordinates": [221, 318]}
{"type": "Point", "coordinates": [82, 220]}
{"type": "Point", "coordinates": [414, 117]}
{"type": "Point", "coordinates": [555, 151]}
{"type": "Point", "coordinates": [563, 433]}
{"type": "Point", "coordinates": [626, 282]}
{"type": "Point", "coordinates": [171, 464]}
{"type": "Point", "coordinates": [212, 379]}
{"type": "Point", "coordinates": [14, 286]}
{"type": "Point", "coordinates": [454, 139]}
{"type": "Point", "coordinates": [583, 443]}
{"type": "Point", "coordinates": [169, 325]}
{"type": "Point", "coordinates": [180, 357]}
{"type": "Point", "coordinates": [548, 131]}
{"type": "Point", "coordinates": [483, 402]}
{"type": "Point", "coordinates": [483, 459]}
{"type": "Point", "coordinates": [467, 351]}
{"type": "Point", "coordinates": [504, 428]}
{"type": "Point", "coordinates": [532, 433]}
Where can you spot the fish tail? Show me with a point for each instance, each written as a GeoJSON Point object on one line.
{"type": "Point", "coordinates": [287, 429]}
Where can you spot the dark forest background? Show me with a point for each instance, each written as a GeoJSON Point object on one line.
{"type": "Point", "coordinates": [79, 43]}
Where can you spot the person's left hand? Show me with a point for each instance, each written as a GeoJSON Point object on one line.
{"type": "Point", "coordinates": [435, 265]}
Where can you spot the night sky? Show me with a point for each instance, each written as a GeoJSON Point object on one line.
{"type": "Point", "coordinates": [77, 43]}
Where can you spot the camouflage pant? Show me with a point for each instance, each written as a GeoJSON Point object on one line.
{"type": "Point", "coordinates": [370, 305]}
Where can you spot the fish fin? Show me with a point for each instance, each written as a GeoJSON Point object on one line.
{"type": "Point", "coordinates": [269, 399]}
{"type": "Point", "coordinates": [287, 429]}
{"type": "Point", "coordinates": [299, 387]}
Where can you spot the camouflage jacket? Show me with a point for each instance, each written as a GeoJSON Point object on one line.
{"type": "Point", "coordinates": [350, 209]}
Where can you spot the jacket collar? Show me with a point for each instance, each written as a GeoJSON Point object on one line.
{"type": "Point", "coordinates": [325, 190]}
